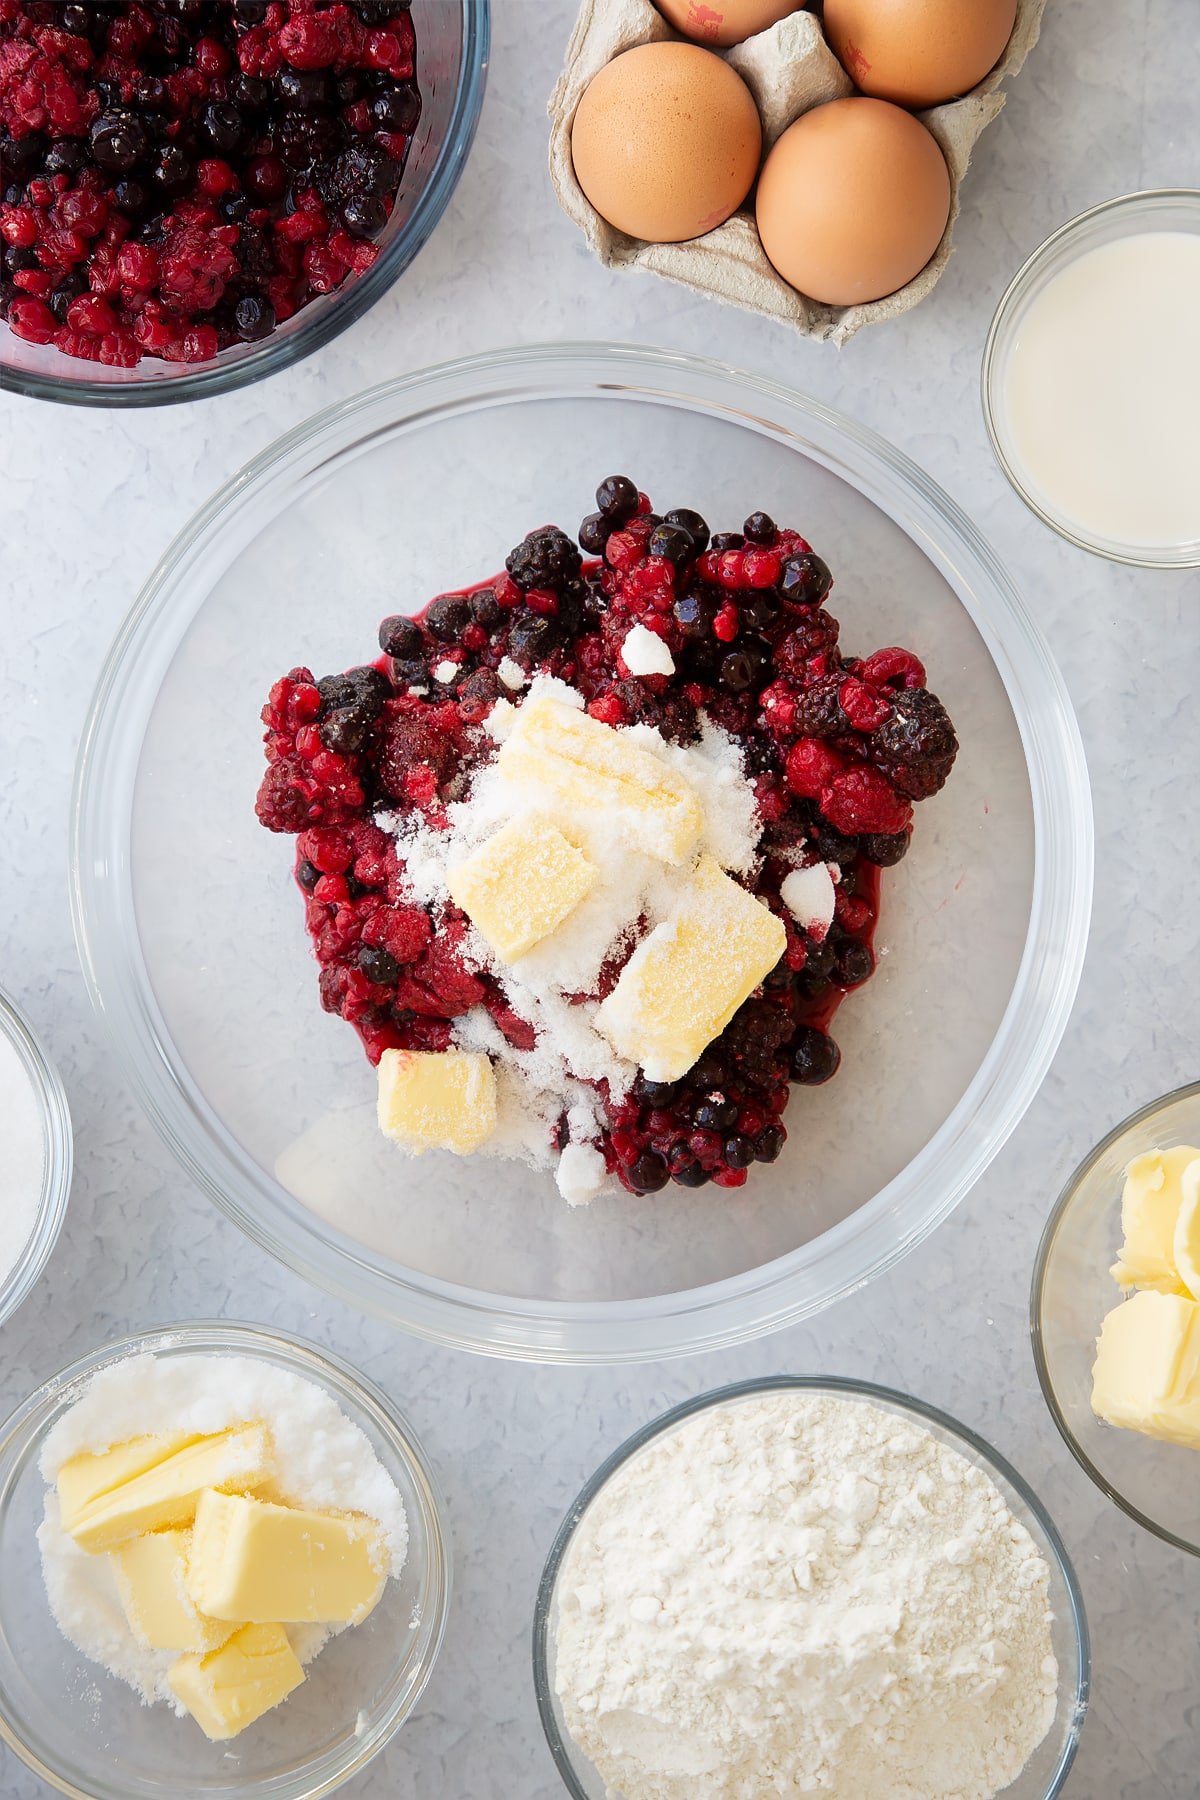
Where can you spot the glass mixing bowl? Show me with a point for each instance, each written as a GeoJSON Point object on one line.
{"type": "Point", "coordinates": [90, 1735]}
{"type": "Point", "coordinates": [1155, 1483]}
{"type": "Point", "coordinates": [189, 922]}
{"type": "Point", "coordinates": [1046, 1772]}
{"type": "Point", "coordinates": [452, 56]}
{"type": "Point", "coordinates": [57, 1157]}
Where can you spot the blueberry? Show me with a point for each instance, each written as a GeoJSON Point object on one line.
{"type": "Point", "coordinates": [815, 1057]}
{"type": "Point", "coordinates": [66, 156]}
{"type": "Point", "coordinates": [853, 965]}
{"type": "Point", "coordinates": [806, 579]}
{"type": "Point", "coordinates": [885, 850]}
{"type": "Point", "coordinates": [673, 542]}
{"type": "Point", "coordinates": [485, 608]}
{"type": "Point", "coordinates": [307, 90]}
{"type": "Point", "coordinates": [364, 215]}
{"type": "Point", "coordinates": [692, 523]}
{"type": "Point", "coordinates": [768, 1144]}
{"type": "Point", "coordinates": [399, 637]}
{"type": "Point", "coordinates": [348, 730]}
{"type": "Point", "coordinates": [594, 533]}
{"type": "Point", "coordinates": [119, 140]}
{"type": "Point", "coordinates": [728, 540]}
{"type": "Point", "coordinates": [448, 617]}
{"type": "Point", "coordinates": [224, 126]}
{"type": "Point", "coordinates": [617, 498]}
{"type": "Point", "coordinates": [647, 1173]}
{"type": "Point", "coordinates": [759, 528]}
{"type": "Point", "coordinates": [713, 1112]}
{"type": "Point", "coordinates": [67, 290]}
{"type": "Point", "coordinates": [378, 965]}
{"type": "Point", "coordinates": [250, 93]}
{"type": "Point", "coordinates": [308, 874]}
{"type": "Point", "coordinates": [738, 1152]}
{"type": "Point", "coordinates": [690, 1174]}
{"type": "Point", "coordinates": [172, 172]}
{"type": "Point", "coordinates": [396, 107]}
{"type": "Point", "coordinates": [254, 318]}
{"type": "Point", "coordinates": [131, 197]}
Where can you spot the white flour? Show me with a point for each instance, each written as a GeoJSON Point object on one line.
{"type": "Point", "coordinates": [23, 1167]}
{"type": "Point", "coordinates": [796, 1594]}
{"type": "Point", "coordinates": [322, 1460]}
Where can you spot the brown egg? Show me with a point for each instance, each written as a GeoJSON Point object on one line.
{"type": "Point", "coordinates": [666, 142]}
{"type": "Point", "coordinates": [725, 22]}
{"type": "Point", "coordinates": [918, 52]}
{"type": "Point", "coordinates": [853, 201]}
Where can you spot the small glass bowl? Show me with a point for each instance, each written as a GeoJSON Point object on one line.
{"type": "Point", "coordinates": [1046, 1771]}
{"type": "Point", "coordinates": [1155, 209]}
{"type": "Point", "coordinates": [57, 1158]}
{"type": "Point", "coordinates": [1156, 1484]}
{"type": "Point", "coordinates": [452, 55]}
{"type": "Point", "coordinates": [90, 1736]}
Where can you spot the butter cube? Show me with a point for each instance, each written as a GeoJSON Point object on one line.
{"type": "Point", "coordinates": [575, 764]}
{"type": "Point", "coordinates": [165, 1494]}
{"type": "Point", "coordinates": [257, 1561]}
{"type": "Point", "coordinates": [1146, 1375]}
{"type": "Point", "coordinates": [1150, 1207]}
{"type": "Point", "coordinates": [437, 1099]}
{"type": "Point", "coordinates": [687, 978]}
{"type": "Point", "coordinates": [520, 885]}
{"type": "Point", "coordinates": [150, 1574]}
{"type": "Point", "coordinates": [85, 1477]}
{"type": "Point", "coordinates": [229, 1688]}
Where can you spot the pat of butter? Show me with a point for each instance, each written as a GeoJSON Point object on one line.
{"type": "Point", "coordinates": [1150, 1207]}
{"type": "Point", "coordinates": [229, 1688]}
{"type": "Point", "coordinates": [256, 1561]}
{"type": "Point", "coordinates": [437, 1099]}
{"type": "Point", "coordinates": [85, 1477]}
{"type": "Point", "coordinates": [150, 1574]}
{"type": "Point", "coordinates": [575, 764]}
{"type": "Point", "coordinates": [165, 1494]}
{"type": "Point", "coordinates": [1146, 1375]}
{"type": "Point", "coordinates": [685, 981]}
{"type": "Point", "coordinates": [520, 886]}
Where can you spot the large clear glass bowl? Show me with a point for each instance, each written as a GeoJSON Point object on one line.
{"type": "Point", "coordinates": [189, 923]}
{"type": "Point", "coordinates": [1046, 1771]}
{"type": "Point", "coordinates": [1156, 1484]}
{"type": "Point", "coordinates": [452, 56]}
{"type": "Point", "coordinates": [90, 1735]}
{"type": "Point", "coordinates": [17, 1282]}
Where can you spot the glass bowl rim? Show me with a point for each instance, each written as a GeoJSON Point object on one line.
{"type": "Point", "coordinates": [27, 1424]}
{"type": "Point", "coordinates": [755, 1301]}
{"type": "Point", "coordinates": [838, 1385]}
{"type": "Point", "coordinates": [1062, 1206]}
{"type": "Point", "coordinates": [55, 1114]}
{"type": "Point", "coordinates": [349, 302]}
{"type": "Point", "coordinates": [1142, 200]}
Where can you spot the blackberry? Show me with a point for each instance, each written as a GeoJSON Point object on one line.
{"type": "Point", "coordinates": [806, 579]}
{"type": "Point", "coordinates": [815, 1057]}
{"type": "Point", "coordinates": [546, 559]}
{"type": "Point", "coordinates": [363, 170]}
{"type": "Point", "coordinates": [916, 747]}
{"type": "Point", "coordinates": [478, 689]}
{"type": "Point", "coordinates": [400, 637]}
{"type": "Point", "coordinates": [885, 852]}
{"type": "Point", "coordinates": [448, 617]}
{"type": "Point", "coordinates": [617, 498]}
{"type": "Point", "coordinates": [303, 139]}
{"type": "Point", "coordinates": [819, 711]}
{"type": "Point", "coordinates": [692, 523]}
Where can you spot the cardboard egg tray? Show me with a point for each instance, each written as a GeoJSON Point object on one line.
{"type": "Point", "coordinates": [789, 69]}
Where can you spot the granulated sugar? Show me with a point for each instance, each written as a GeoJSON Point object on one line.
{"type": "Point", "coordinates": [323, 1460]}
{"type": "Point", "coordinates": [23, 1159]}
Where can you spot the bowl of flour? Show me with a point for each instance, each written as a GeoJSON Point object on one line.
{"type": "Point", "coordinates": [815, 1586]}
{"type": "Point", "coordinates": [35, 1157]}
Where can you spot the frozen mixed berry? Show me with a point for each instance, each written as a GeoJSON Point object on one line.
{"type": "Point", "coordinates": [838, 749]}
{"type": "Point", "coordinates": [177, 176]}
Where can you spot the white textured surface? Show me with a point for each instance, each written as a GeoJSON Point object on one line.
{"type": "Point", "coordinates": [1106, 104]}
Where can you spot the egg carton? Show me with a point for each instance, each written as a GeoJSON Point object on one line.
{"type": "Point", "coordinates": [789, 69]}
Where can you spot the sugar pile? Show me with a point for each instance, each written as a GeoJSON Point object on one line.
{"type": "Point", "coordinates": [553, 987]}
{"type": "Point", "coordinates": [323, 1460]}
{"type": "Point", "coordinates": [23, 1166]}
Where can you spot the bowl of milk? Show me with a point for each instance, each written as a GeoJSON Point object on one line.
{"type": "Point", "coordinates": [1091, 380]}
{"type": "Point", "coordinates": [35, 1167]}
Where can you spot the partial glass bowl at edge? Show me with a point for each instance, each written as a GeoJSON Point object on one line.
{"type": "Point", "coordinates": [89, 1734]}
{"type": "Point", "coordinates": [1073, 1289]}
{"type": "Point", "coordinates": [1046, 1772]}
{"type": "Point", "coordinates": [190, 925]}
{"type": "Point", "coordinates": [452, 56]}
{"type": "Point", "coordinates": [57, 1158]}
{"type": "Point", "coordinates": [1156, 209]}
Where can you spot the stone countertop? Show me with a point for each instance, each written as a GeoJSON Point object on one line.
{"type": "Point", "coordinates": [1106, 104]}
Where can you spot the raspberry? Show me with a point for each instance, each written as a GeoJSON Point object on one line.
{"type": "Point", "coordinates": [861, 799]}
{"type": "Point", "coordinates": [864, 707]}
{"type": "Point", "coordinates": [889, 668]}
{"type": "Point", "coordinates": [811, 767]}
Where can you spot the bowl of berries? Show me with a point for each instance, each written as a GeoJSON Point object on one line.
{"type": "Point", "coordinates": [193, 196]}
{"type": "Point", "coordinates": [583, 925]}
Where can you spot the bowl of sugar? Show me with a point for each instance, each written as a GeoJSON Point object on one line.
{"type": "Point", "coordinates": [35, 1167]}
{"type": "Point", "coordinates": [1091, 380]}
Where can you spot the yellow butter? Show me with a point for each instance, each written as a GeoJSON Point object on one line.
{"type": "Point", "coordinates": [85, 1477]}
{"type": "Point", "coordinates": [229, 1688]}
{"type": "Point", "coordinates": [257, 1561]}
{"type": "Point", "coordinates": [1187, 1230]}
{"type": "Point", "coordinates": [150, 1574]}
{"type": "Point", "coordinates": [520, 886]}
{"type": "Point", "coordinates": [1146, 1376]}
{"type": "Point", "coordinates": [576, 765]}
{"type": "Point", "coordinates": [1150, 1207]}
{"type": "Point", "coordinates": [437, 1100]}
{"type": "Point", "coordinates": [685, 981]}
{"type": "Point", "coordinates": [165, 1494]}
